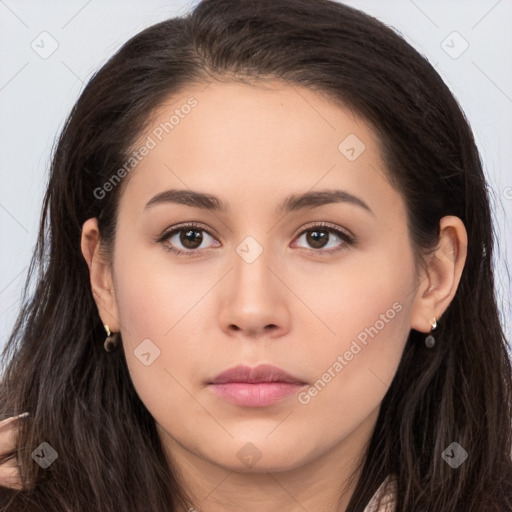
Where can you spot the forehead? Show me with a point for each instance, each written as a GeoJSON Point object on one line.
{"type": "Point", "coordinates": [249, 143]}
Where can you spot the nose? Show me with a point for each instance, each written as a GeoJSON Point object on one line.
{"type": "Point", "coordinates": [254, 298]}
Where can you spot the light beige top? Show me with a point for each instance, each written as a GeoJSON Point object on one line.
{"type": "Point", "coordinates": [384, 498]}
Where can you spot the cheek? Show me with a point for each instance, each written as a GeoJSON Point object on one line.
{"type": "Point", "coordinates": [159, 315]}
{"type": "Point", "coordinates": [368, 311]}
{"type": "Point", "coordinates": [153, 295]}
{"type": "Point", "coordinates": [366, 298]}
{"type": "Point", "coordinates": [354, 371]}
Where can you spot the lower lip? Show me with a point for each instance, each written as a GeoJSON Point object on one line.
{"type": "Point", "coordinates": [260, 394]}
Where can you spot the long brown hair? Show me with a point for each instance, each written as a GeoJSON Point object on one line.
{"type": "Point", "coordinates": [82, 401]}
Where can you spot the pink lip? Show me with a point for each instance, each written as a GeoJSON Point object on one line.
{"type": "Point", "coordinates": [255, 387]}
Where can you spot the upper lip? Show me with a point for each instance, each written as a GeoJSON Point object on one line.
{"type": "Point", "coordinates": [260, 373]}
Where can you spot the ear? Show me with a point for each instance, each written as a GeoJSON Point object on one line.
{"type": "Point", "coordinates": [438, 282]}
{"type": "Point", "coordinates": [100, 272]}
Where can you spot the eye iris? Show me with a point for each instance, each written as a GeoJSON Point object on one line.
{"type": "Point", "coordinates": [317, 238]}
{"type": "Point", "coordinates": [191, 236]}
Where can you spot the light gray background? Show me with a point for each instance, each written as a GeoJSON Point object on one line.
{"type": "Point", "coordinates": [38, 90]}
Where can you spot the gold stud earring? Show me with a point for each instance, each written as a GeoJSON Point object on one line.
{"type": "Point", "coordinates": [430, 341]}
{"type": "Point", "coordinates": [111, 341]}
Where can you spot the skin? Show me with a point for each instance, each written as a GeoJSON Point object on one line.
{"type": "Point", "coordinates": [292, 307]}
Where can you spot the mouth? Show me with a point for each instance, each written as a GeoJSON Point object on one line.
{"type": "Point", "coordinates": [263, 373]}
{"type": "Point", "coordinates": [261, 386]}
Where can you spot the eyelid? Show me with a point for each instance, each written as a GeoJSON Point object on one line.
{"type": "Point", "coordinates": [182, 225]}
{"type": "Point", "coordinates": [328, 225]}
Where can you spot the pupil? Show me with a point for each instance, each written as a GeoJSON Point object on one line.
{"type": "Point", "coordinates": [189, 239]}
{"type": "Point", "coordinates": [318, 239]}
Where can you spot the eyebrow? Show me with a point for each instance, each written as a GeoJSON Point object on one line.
{"type": "Point", "coordinates": [291, 203]}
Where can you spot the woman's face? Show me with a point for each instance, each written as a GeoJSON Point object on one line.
{"type": "Point", "coordinates": [259, 282]}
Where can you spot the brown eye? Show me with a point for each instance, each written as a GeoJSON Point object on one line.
{"type": "Point", "coordinates": [325, 237]}
{"type": "Point", "coordinates": [191, 238]}
{"type": "Point", "coordinates": [187, 239]}
{"type": "Point", "coordinates": [317, 238]}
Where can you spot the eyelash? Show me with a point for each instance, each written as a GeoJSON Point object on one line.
{"type": "Point", "coordinates": [349, 240]}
